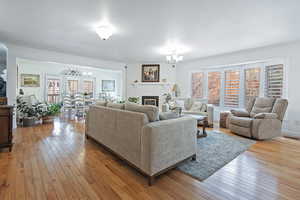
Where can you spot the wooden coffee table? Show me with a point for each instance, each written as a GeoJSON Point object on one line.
{"type": "Point", "coordinates": [202, 119]}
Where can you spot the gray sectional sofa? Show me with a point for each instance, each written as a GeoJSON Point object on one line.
{"type": "Point", "coordinates": [135, 134]}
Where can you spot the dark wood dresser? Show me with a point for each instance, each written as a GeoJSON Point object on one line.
{"type": "Point", "coordinates": [6, 124]}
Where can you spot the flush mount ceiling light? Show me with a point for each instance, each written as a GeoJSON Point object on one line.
{"type": "Point", "coordinates": [104, 31]}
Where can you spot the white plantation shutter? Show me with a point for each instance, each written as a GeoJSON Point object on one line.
{"type": "Point", "coordinates": [197, 84]}
{"type": "Point", "coordinates": [252, 83]}
{"type": "Point", "coordinates": [88, 87]}
{"type": "Point", "coordinates": [274, 81]}
{"type": "Point", "coordinates": [214, 87]}
{"type": "Point", "coordinates": [232, 89]}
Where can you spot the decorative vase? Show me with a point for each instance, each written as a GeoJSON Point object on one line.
{"type": "Point", "coordinates": [165, 107]}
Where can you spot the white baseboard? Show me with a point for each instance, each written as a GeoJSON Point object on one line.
{"type": "Point", "coordinates": [291, 134]}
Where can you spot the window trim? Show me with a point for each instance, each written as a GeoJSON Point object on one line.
{"type": "Point", "coordinates": [241, 67]}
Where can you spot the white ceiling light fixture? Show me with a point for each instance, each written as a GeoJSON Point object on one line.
{"type": "Point", "coordinates": [174, 58]}
{"type": "Point", "coordinates": [104, 31]}
{"type": "Point", "coordinates": [173, 52]}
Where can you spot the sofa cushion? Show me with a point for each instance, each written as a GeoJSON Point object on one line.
{"type": "Point", "coordinates": [243, 131]}
{"type": "Point", "coordinates": [115, 105]}
{"type": "Point", "coordinates": [101, 103]}
{"type": "Point", "coordinates": [250, 104]}
{"type": "Point", "coordinates": [240, 112]}
{"type": "Point", "coordinates": [262, 105]}
{"type": "Point", "coordinates": [241, 121]}
{"type": "Point", "coordinates": [280, 107]}
{"type": "Point", "coordinates": [266, 116]}
{"type": "Point", "coordinates": [168, 115]}
{"type": "Point", "coordinates": [152, 112]}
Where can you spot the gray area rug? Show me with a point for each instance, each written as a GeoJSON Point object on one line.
{"type": "Point", "coordinates": [214, 152]}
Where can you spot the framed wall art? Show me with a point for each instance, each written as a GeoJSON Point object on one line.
{"type": "Point", "coordinates": [30, 80]}
{"type": "Point", "coordinates": [150, 73]}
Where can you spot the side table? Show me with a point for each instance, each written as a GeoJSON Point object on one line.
{"type": "Point", "coordinates": [223, 119]}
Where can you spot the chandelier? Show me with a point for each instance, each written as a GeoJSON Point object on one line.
{"type": "Point", "coordinates": [72, 72]}
{"type": "Point", "coordinates": [173, 51]}
{"type": "Point", "coordinates": [174, 58]}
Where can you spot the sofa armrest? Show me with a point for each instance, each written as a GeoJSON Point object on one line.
{"type": "Point", "coordinates": [165, 143]}
{"type": "Point", "coordinates": [240, 113]}
{"type": "Point", "coordinates": [210, 114]}
{"type": "Point", "coordinates": [266, 116]}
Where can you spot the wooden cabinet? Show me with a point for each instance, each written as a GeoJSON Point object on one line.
{"type": "Point", "coordinates": [6, 119]}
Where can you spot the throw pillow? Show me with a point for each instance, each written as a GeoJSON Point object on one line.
{"type": "Point", "coordinates": [188, 103]}
{"type": "Point", "coordinates": [204, 107]}
{"type": "Point", "coordinates": [152, 112]}
{"type": "Point", "coordinates": [196, 107]}
{"type": "Point", "coordinates": [168, 115]}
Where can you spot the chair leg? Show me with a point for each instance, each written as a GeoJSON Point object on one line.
{"type": "Point", "coordinates": [151, 180]}
{"type": "Point", "coordinates": [194, 157]}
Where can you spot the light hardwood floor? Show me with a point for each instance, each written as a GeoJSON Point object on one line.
{"type": "Point", "coordinates": [57, 162]}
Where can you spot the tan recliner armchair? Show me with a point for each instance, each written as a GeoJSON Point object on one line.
{"type": "Point", "coordinates": [262, 118]}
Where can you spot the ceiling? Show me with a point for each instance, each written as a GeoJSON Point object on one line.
{"type": "Point", "coordinates": [206, 27]}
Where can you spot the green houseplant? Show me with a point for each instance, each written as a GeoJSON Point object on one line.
{"type": "Point", "coordinates": [134, 99]}
{"type": "Point", "coordinates": [49, 112]}
{"type": "Point", "coordinates": [29, 113]}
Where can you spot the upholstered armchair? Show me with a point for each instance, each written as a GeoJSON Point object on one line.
{"type": "Point", "coordinates": [262, 118]}
{"type": "Point", "coordinates": [201, 107]}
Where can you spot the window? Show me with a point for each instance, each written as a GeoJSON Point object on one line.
{"type": "Point", "coordinates": [232, 89]}
{"type": "Point", "coordinates": [214, 86]}
{"type": "Point", "coordinates": [88, 87]}
{"type": "Point", "coordinates": [233, 86]}
{"type": "Point", "coordinates": [53, 90]}
{"type": "Point", "coordinates": [72, 86]}
{"type": "Point", "coordinates": [252, 83]}
{"type": "Point", "coordinates": [197, 85]}
{"type": "Point", "coordinates": [274, 81]}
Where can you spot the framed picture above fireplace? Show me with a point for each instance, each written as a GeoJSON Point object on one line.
{"type": "Point", "coordinates": [150, 73]}
{"type": "Point", "coordinates": [150, 100]}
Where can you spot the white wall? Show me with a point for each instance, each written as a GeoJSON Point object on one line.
{"type": "Point", "coordinates": [45, 69]}
{"type": "Point", "coordinates": [134, 72]}
{"type": "Point", "coordinates": [15, 51]}
{"type": "Point", "coordinates": [290, 53]}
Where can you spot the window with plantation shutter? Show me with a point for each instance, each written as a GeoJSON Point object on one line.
{"type": "Point", "coordinates": [88, 87]}
{"type": "Point", "coordinates": [72, 86]}
{"type": "Point", "coordinates": [197, 84]}
{"type": "Point", "coordinates": [274, 81]}
{"type": "Point", "coordinates": [214, 86]}
{"type": "Point", "coordinates": [232, 89]}
{"type": "Point", "coordinates": [252, 83]}
{"type": "Point", "coordinates": [53, 90]}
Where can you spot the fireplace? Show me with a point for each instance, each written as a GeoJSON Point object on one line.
{"type": "Point", "coordinates": [150, 100]}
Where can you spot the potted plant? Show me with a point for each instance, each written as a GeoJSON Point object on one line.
{"type": "Point", "coordinates": [50, 111]}
{"type": "Point", "coordinates": [134, 99]}
{"type": "Point", "coordinates": [28, 112]}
